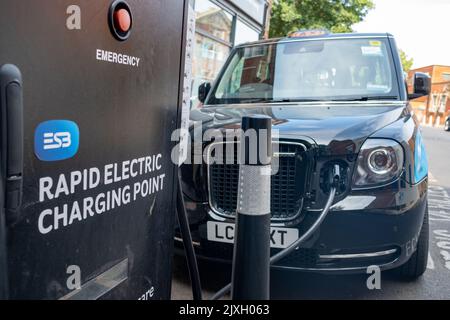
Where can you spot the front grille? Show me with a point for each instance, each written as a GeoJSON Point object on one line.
{"type": "Point", "coordinates": [300, 258]}
{"type": "Point", "coordinates": [287, 185]}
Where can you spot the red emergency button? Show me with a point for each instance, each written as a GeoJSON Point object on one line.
{"type": "Point", "coordinates": [122, 20]}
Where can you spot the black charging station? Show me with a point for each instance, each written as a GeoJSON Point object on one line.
{"type": "Point", "coordinates": [87, 182]}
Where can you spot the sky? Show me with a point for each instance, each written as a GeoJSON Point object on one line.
{"type": "Point", "coordinates": [421, 28]}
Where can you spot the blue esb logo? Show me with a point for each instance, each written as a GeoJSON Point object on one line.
{"type": "Point", "coordinates": [56, 140]}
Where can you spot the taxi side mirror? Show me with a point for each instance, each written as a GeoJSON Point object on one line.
{"type": "Point", "coordinates": [203, 91]}
{"type": "Point", "coordinates": [421, 86]}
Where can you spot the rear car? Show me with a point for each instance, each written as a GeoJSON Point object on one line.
{"type": "Point", "coordinates": [334, 99]}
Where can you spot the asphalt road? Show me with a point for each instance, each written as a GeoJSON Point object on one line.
{"type": "Point", "coordinates": [435, 284]}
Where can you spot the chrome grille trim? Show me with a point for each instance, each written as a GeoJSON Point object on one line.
{"type": "Point", "coordinates": [358, 255]}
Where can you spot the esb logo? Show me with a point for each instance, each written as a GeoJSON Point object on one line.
{"type": "Point", "coordinates": [56, 140]}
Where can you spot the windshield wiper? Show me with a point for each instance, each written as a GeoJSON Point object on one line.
{"type": "Point", "coordinates": [287, 100]}
{"type": "Point", "coordinates": [369, 98]}
{"type": "Point", "coordinates": [294, 100]}
{"type": "Point", "coordinates": [263, 100]}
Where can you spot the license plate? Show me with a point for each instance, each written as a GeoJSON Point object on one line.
{"type": "Point", "coordinates": [224, 232]}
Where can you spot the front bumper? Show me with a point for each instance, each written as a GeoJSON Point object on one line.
{"type": "Point", "coordinates": [373, 227]}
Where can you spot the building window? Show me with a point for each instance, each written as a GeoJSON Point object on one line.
{"type": "Point", "coordinates": [218, 28]}
{"type": "Point", "coordinates": [443, 104]}
{"type": "Point", "coordinates": [244, 33]}
{"type": "Point", "coordinates": [209, 58]}
{"type": "Point", "coordinates": [434, 102]}
{"type": "Point", "coordinates": [446, 76]}
{"type": "Point", "coordinates": [214, 27]}
{"type": "Point", "coordinates": [254, 8]}
{"type": "Point", "coordinates": [213, 21]}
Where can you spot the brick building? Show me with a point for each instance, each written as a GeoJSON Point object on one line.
{"type": "Point", "coordinates": [434, 109]}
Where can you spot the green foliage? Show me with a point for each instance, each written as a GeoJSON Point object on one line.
{"type": "Point", "coordinates": [406, 62]}
{"type": "Point", "coordinates": [334, 15]}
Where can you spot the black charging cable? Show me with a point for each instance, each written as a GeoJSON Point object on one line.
{"type": "Point", "coordinates": [336, 178]}
{"type": "Point", "coordinates": [191, 259]}
{"type": "Point", "coordinates": [189, 248]}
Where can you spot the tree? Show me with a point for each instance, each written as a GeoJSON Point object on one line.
{"type": "Point", "coordinates": [334, 15]}
{"type": "Point", "coordinates": [406, 62]}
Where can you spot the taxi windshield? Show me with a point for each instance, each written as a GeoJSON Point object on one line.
{"type": "Point", "coordinates": [313, 70]}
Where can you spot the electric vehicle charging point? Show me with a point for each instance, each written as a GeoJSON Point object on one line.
{"type": "Point", "coordinates": [98, 182]}
{"type": "Point", "coordinates": [90, 214]}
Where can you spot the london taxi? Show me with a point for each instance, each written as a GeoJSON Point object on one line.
{"type": "Point", "coordinates": [335, 99]}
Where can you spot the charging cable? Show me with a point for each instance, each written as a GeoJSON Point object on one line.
{"type": "Point", "coordinates": [191, 259]}
{"type": "Point", "coordinates": [284, 253]}
{"type": "Point", "coordinates": [189, 248]}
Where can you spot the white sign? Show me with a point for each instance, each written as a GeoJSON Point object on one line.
{"type": "Point", "coordinates": [57, 140]}
{"type": "Point", "coordinates": [139, 178]}
{"type": "Point", "coordinates": [119, 58]}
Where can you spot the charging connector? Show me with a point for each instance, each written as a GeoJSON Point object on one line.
{"type": "Point", "coordinates": [336, 176]}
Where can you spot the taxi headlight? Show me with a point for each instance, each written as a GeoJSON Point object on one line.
{"type": "Point", "coordinates": [380, 162]}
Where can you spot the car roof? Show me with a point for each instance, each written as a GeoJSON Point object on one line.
{"type": "Point", "coordinates": [328, 36]}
